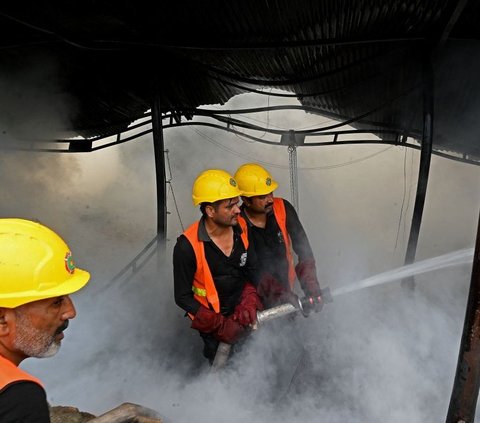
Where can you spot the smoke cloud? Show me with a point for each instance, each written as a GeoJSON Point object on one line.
{"type": "Point", "coordinates": [373, 355]}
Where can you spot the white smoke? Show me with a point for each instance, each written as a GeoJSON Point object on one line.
{"type": "Point", "coordinates": [376, 355]}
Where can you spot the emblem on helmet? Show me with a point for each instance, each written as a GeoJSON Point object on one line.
{"type": "Point", "coordinates": [268, 182]}
{"type": "Point", "coordinates": [69, 264]}
{"type": "Point", "coordinates": [233, 183]}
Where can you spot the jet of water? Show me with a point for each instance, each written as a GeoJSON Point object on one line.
{"type": "Point", "coordinates": [447, 260]}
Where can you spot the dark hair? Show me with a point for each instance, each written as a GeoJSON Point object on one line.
{"type": "Point", "coordinates": [214, 205]}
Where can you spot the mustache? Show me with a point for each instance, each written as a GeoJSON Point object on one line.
{"type": "Point", "coordinates": [62, 328]}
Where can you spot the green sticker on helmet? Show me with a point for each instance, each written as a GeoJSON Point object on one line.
{"type": "Point", "coordinates": [268, 182]}
{"type": "Point", "coordinates": [233, 183]}
{"type": "Point", "coordinates": [69, 264]}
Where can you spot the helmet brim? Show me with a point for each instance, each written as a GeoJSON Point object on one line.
{"type": "Point", "coordinates": [74, 283]}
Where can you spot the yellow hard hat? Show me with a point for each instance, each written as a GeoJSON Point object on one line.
{"type": "Point", "coordinates": [35, 263]}
{"type": "Point", "coordinates": [253, 179]}
{"type": "Point", "coordinates": [213, 185]}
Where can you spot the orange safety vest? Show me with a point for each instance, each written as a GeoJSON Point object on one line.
{"type": "Point", "coordinates": [9, 373]}
{"type": "Point", "coordinates": [203, 287]}
{"type": "Point", "coordinates": [281, 218]}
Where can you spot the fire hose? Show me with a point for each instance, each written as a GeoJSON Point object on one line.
{"type": "Point", "coordinates": [304, 306]}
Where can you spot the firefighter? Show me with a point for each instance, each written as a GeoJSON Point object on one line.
{"type": "Point", "coordinates": [275, 230]}
{"type": "Point", "coordinates": [37, 274]}
{"type": "Point", "coordinates": [213, 265]}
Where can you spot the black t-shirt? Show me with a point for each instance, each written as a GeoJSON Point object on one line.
{"type": "Point", "coordinates": [270, 245]}
{"type": "Point", "coordinates": [24, 402]}
{"type": "Point", "coordinates": [229, 273]}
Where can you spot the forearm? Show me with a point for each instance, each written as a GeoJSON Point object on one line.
{"type": "Point", "coordinates": [184, 267]}
{"type": "Point", "coordinates": [187, 302]}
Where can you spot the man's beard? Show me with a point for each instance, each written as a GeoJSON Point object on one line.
{"type": "Point", "coordinates": [33, 342]}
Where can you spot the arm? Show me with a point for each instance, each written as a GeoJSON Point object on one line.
{"type": "Point", "coordinates": [184, 267]}
{"type": "Point", "coordinates": [297, 233]}
{"type": "Point", "coordinates": [251, 267]}
{"type": "Point", "coordinates": [224, 329]}
{"type": "Point", "coordinates": [305, 269]}
{"type": "Point", "coordinates": [24, 402]}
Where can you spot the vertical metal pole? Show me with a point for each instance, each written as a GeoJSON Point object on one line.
{"type": "Point", "coordinates": [292, 161]}
{"type": "Point", "coordinates": [463, 401]}
{"type": "Point", "coordinates": [425, 157]}
{"type": "Point", "coordinates": [161, 178]}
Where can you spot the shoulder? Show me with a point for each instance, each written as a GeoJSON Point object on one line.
{"type": "Point", "coordinates": [183, 246]}
{"type": "Point", "coordinates": [24, 401]}
{"type": "Point", "coordinates": [288, 206]}
{"type": "Point", "coordinates": [287, 203]}
{"type": "Point", "coordinates": [289, 209]}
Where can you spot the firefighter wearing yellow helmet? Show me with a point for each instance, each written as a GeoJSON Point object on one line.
{"type": "Point", "coordinates": [276, 230]}
{"type": "Point", "coordinates": [37, 274]}
{"type": "Point", "coordinates": [212, 265]}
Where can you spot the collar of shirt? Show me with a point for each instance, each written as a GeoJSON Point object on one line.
{"type": "Point", "coordinates": [203, 234]}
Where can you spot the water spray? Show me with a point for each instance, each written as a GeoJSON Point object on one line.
{"type": "Point", "coordinates": [305, 306]}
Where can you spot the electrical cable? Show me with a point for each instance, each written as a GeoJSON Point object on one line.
{"type": "Point", "coordinates": [275, 165]}
{"type": "Point", "coordinates": [403, 199]}
{"type": "Point", "coordinates": [171, 189]}
{"type": "Point", "coordinates": [361, 159]}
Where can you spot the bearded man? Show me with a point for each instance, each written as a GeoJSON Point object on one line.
{"type": "Point", "coordinates": [37, 274]}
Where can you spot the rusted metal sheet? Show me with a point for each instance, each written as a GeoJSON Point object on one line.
{"type": "Point", "coordinates": [463, 401]}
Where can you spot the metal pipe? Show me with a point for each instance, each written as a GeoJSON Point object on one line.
{"type": "Point", "coordinates": [304, 306]}
{"type": "Point", "coordinates": [161, 178]}
{"type": "Point", "coordinates": [466, 385]}
{"type": "Point", "coordinates": [223, 350]}
{"type": "Point", "coordinates": [274, 312]}
{"type": "Point", "coordinates": [424, 170]}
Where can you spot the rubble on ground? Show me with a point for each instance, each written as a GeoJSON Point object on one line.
{"type": "Point", "coordinates": [125, 413]}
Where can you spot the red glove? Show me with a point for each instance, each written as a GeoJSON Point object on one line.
{"type": "Point", "coordinates": [224, 329]}
{"type": "Point", "coordinates": [271, 290]}
{"type": "Point", "coordinates": [307, 275]}
{"type": "Point", "coordinates": [246, 310]}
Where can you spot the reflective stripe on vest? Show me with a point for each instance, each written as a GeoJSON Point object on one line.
{"type": "Point", "coordinates": [281, 218]}
{"type": "Point", "coordinates": [203, 287]}
{"type": "Point", "coordinates": [9, 373]}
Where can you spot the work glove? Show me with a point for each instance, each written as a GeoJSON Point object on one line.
{"type": "Point", "coordinates": [223, 329]}
{"type": "Point", "coordinates": [271, 291]}
{"type": "Point", "coordinates": [246, 310]}
{"type": "Point", "coordinates": [307, 275]}
{"type": "Point", "coordinates": [290, 297]}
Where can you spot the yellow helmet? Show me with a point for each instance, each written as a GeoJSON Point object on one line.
{"type": "Point", "coordinates": [35, 263]}
{"type": "Point", "coordinates": [213, 185]}
{"type": "Point", "coordinates": [253, 179]}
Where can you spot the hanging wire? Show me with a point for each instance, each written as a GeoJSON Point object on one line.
{"type": "Point", "coordinates": [403, 199]}
{"type": "Point", "coordinates": [169, 182]}
{"type": "Point", "coordinates": [255, 159]}
{"type": "Point", "coordinates": [409, 196]}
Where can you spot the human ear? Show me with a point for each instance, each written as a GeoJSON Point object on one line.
{"type": "Point", "coordinates": [4, 327]}
{"type": "Point", "coordinates": [210, 210]}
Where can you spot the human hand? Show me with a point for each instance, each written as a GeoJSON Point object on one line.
{"type": "Point", "coordinates": [246, 311]}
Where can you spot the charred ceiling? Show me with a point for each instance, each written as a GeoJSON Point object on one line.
{"type": "Point", "coordinates": [361, 61]}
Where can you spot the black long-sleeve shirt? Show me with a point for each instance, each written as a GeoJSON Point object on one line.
{"type": "Point", "coordinates": [24, 402]}
{"type": "Point", "coordinates": [270, 245]}
{"type": "Point", "coordinates": [229, 273]}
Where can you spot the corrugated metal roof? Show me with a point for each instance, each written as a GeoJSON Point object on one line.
{"type": "Point", "coordinates": [346, 58]}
